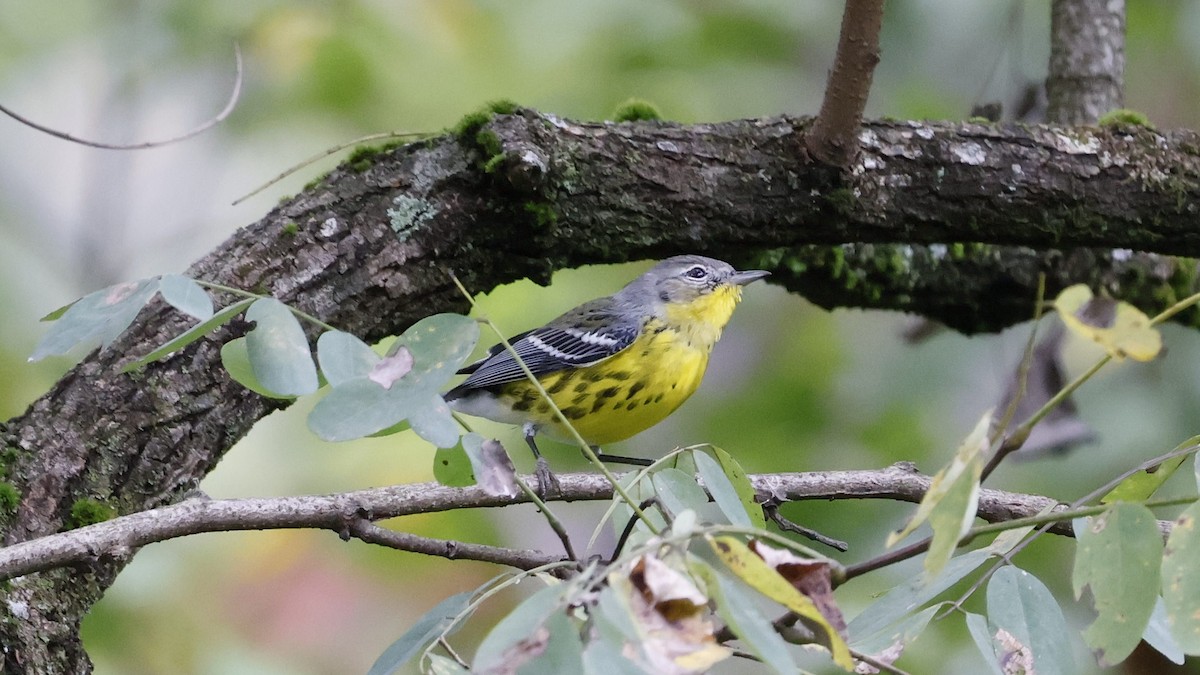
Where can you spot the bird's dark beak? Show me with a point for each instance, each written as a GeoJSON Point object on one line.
{"type": "Point", "coordinates": [744, 277]}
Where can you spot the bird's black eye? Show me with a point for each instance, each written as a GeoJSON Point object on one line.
{"type": "Point", "coordinates": [696, 272]}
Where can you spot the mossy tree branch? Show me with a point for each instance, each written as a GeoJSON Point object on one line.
{"type": "Point", "coordinates": [524, 194]}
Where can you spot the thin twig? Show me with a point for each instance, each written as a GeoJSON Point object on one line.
{"type": "Point", "coordinates": [771, 510]}
{"type": "Point", "coordinates": [325, 153]}
{"type": "Point", "coordinates": [522, 559]}
{"type": "Point", "coordinates": [205, 126]}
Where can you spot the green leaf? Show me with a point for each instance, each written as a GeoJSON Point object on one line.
{"type": "Point", "coordinates": [745, 618]}
{"type": "Point", "coordinates": [727, 496]}
{"type": "Point", "coordinates": [344, 357]}
{"type": "Point", "coordinates": [428, 628]}
{"type": "Point", "coordinates": [678, 491]}
{"type": "Point", "coordinates": [432, 421]}
{"type": "Point", "coordinates": [889, 644]}
{"type": "Point", "coordinates": [1181, 580]}
{"type": "Point", "coordinates": [602, 657]}
{"type": "Point", "coordinates": [1019, 604]}
{"type": "Point", "coordinates": [439, 344]}
{"type": "Point", "coordinates": [1142, 485]}
{"type": "Point", "coordinates": [508, 644]}
{"type": "Point", "coordinates": [186, 295]}
{"type": "Point", "coordinates": [236, 359]}
{"type": "Point", "coordinates": [563, 650]}
{"type": "Point", "coordinates": [192, 334]}
{"type": "Point", "coordinates": [1158, 633]}
{"type": "Point", "coordinates": [949, 504]}
{"type": "Point", "coordinates": [903, 599]}
{"type": "Point", "coordinates": [1118, 556]}
{"type": "Point", "coordinates": [981, 634]}
{"type": "Point", "coordinates": [96, 317]}
{"type": "Point", "coordinates": [452, 467]}
{"type": "Point", "coordinates": [760, 576]}
{"type": "Point", "coordinates": [279, 351]}
{"type": "Point", "coordinates": [57, 314]}
{"type": "Point", "coordinates": [360, 407]}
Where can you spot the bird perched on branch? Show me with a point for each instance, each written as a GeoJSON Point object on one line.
{"type": "Point", "coordinates": [614, 366]}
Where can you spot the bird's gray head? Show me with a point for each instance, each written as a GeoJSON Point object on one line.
{"type": "Point", "coordinates": [684, 278]}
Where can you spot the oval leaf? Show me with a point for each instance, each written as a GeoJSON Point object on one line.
{"type": "Point", "coordinates": [278, 350]}
{"type": "Point", "coordinates": [236, 360]}
{"type": "Point", "coordinates": [1118, 557]}
{"type": "Point", "coordinates": [360, 408]}
{"type": "Point", "coordinates": [745, 618]}
{"type": "Point", "coordinates": [439, 345]}
{"type": "Point", "coordinates": [1119, 327]}
{"type": "Point", "coordinates": [432, 421]}
{"type": "Point", "coordinates": [96, 317]}
{"type": "Point", "coordinates": [185, 295]}
{"type": "Point", "coordinates": [428, 628]}
{"type": "Point", "coordinates": [725, 494]}
{"type": "Point", "coordinates": [1019, 604]}
{"type": "Point", "coordinates": [452, 467]}
{"type": "Point", "coordinates": [763, 578]}
{"type": "Point", "coordinates": [1181, 580]}
{"type": "Point", "coordinates": [344, 357]}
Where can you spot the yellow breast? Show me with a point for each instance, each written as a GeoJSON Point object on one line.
{"type": "Point", "coordinates": [637, 388]}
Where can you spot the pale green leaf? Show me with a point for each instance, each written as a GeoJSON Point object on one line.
{"type": "Point", "coordinates": [360, 407]}
{"type": "Point", "coordinates": [949, 504]}
{"type": "Point", "coordinates": [439, 344]}
{"type": "Point", "coordinates": [724, 493]}
{"type": "Point", "coordinates": [740, 613]}
{"type": "Point", "coordinates": [981, 634]}
{"type": "Point", "coordinates": [741, 484]}
{"type": "Point", "coordinates": [96, 318]}
{"type": "Point", "coordinates": [907, 597]}
{"type": "Point", "coordinates": [500, 647]}
{"type": "Point", "coordinates": [278, 349]}
{"type": "Point", "coordinates": [452, 467]}
{"type": "Point", "coordinates": [193, 334]}
{"type": "Point", "coordinates": [431, 420]}
{"type": "Point", "coordinates": [563, 650]}
{"type": "Point", "coordinates": [426, 630]}
{"type": "Point", "coordinates": [185, 295]}
{"type": "Point", "coordinates": [1021, 605]}
{"type": "Point", "coordinates": [602, 657]}
{"type": "Point", "coordinates": [760, 576]}
{"type": "Point", "coordinates": [1118, 557]}
{"type": "Point", "coordinates": [444, 665]}
{"type": "Point", "coordinates": [1142, 485]}
{"type": "Point", "coordinates": [236, 360]}
{"type": "Point", "coordinates": [344, 357]}
{"type": "Point", "coordinates": [1181, 580]}
{"type": "Point", "coordinates": [1158, 633]}
{"type": "Point", "coordinates": [677, 491]}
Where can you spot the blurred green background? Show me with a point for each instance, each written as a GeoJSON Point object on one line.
{"type": "Point", "coordinates": [790, 387]}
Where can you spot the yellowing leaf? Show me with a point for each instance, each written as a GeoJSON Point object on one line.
{"type": "Point", "coordinates": [1119, 327]}
{"type": "Point", "coordinates": [1142, 485]}
{"type": "Point", "coordinates": [763, 578]}
{"type": "Point", "coordinates": [949, 504]}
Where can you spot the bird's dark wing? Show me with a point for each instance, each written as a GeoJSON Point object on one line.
{"type": "Point", "coordinates": [587, 335]}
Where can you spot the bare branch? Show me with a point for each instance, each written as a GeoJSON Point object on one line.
{"type": "Point", "coordinates": [351, 513]}
{"type": "Point", "coordinates": [522, 559]}
{"type": "Point", "coordinates": [205, 126]}
{"type": "Point", "coordinates": [833, 138]}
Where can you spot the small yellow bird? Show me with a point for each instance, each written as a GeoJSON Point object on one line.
{"type": "Point", "coordinates": [614, 366]}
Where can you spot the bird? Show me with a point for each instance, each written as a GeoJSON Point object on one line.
{"type": "Point", "coordinates": [614, 366]}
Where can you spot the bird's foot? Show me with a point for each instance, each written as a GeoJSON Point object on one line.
{"type": "Point", "coordinates": [548, 486]}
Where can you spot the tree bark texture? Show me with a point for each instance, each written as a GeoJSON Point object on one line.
{"type": "Point", "coordinates": [1087, 60]}
{"type": "Point", "coordinates": [522, 195]}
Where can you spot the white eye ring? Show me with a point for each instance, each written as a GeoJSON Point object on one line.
{"type": "Point", "coordinates": [696, 272]}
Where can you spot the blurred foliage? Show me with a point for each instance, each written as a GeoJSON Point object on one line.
{"type": "Point", "coordinates": [790, 388]}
